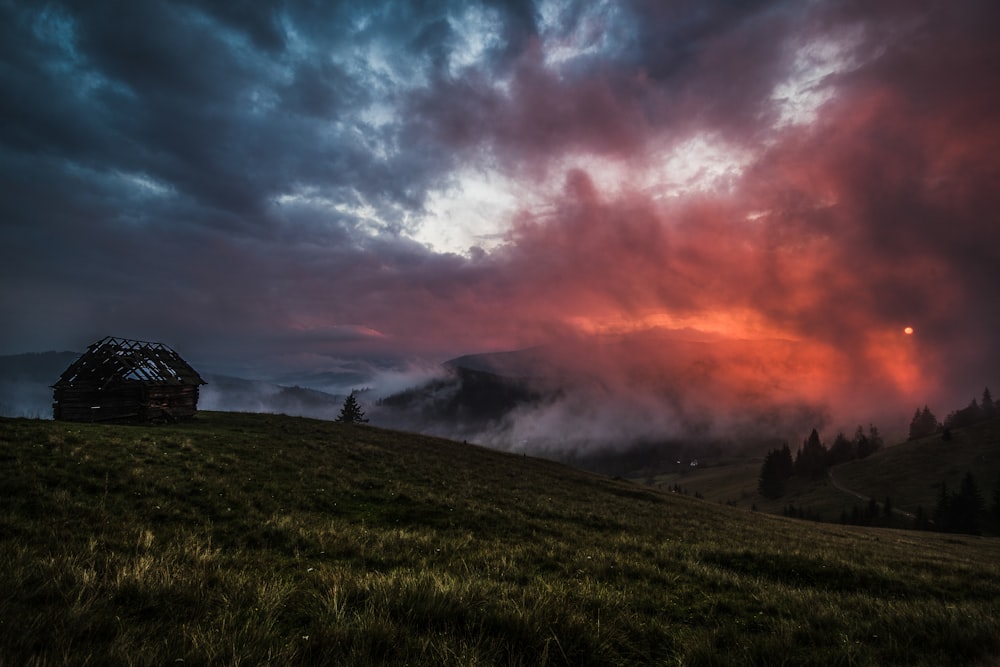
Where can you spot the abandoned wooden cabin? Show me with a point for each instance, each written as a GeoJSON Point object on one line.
{"type": "Point", "coordinates": [122, 380]}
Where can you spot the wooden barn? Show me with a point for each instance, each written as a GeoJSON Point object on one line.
{"type": "Point", "coordinates": [121, 380]}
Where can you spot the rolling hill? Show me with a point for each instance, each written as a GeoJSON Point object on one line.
{"type": "Point", "coordinates": [254, 539]}
{"type": "Point", "coordinates": [909, 473]}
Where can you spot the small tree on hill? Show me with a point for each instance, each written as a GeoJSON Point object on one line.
{"type": "Point", "coordinates": [351, 413]}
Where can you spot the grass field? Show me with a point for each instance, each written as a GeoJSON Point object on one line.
{"type": "Point", "coordinates": [256, 539]}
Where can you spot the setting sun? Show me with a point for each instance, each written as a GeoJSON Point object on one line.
{"type": "Point", "coordinates": [908, 331]}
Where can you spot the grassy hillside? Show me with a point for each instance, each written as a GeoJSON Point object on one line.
{"type": "Point", "coordinates": [911, 473]}
{"type": "Point", "coordinates": [265, 539]}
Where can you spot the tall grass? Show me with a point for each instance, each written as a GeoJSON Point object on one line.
{"type": "Point", "coordinates": [253, 539]}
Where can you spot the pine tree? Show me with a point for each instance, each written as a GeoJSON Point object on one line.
{"type": "Point", "coordinates": [960, 512]}
{"type": "Point", "coordinates": [915, 425]}
{"type": "Point", "coordinates": [776, 470]}
{"type": "Point", "coordinates": [812, 458]}
{"type": "Point", "coordinates": [875, 441]}
{"type": "Point", "coordinates": [988, 405]}
{"type": "Point", "coordinates": [351, 413]}
{"type": "Point", "coordinates": [967, 416]}
{"type": "Point", "coordinates": [968, 506]}
{"type": "Point", "coordinates": [924, 423]}
{"type": "Point", "coordinates": [842, 450]}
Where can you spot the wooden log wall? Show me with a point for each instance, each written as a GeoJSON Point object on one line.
{"type": "Point", "coordinates": [137, 403]}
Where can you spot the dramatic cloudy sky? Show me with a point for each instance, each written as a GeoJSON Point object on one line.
{"type": "Point", "coordinates": [303, 182]}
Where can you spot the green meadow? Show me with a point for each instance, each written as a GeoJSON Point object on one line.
{"type": "Point", "coordinates": [257, 539]}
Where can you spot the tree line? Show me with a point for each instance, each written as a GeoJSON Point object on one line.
{"type": "Point", "coordinates": [924, 423]}
{"type": "Point", "coordinates": [812, 459]}
{"type": "Point", "coordinates": [965, 510]}
{"type": "Point", "coordinates": [962, 511]}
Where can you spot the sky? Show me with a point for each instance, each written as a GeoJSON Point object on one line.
{"type": "Point", "coordinates": [279, 186]}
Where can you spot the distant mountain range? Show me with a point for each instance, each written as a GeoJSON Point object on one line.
{"type": "Point", "coordinates": [616, 405]}
{"type": "Point", "coordinates": [620, 405]}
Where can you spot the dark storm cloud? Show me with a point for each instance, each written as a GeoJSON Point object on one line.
{"type": "Point", "coordinates": [679, 67]}
{"type": "Point", "coordinates": [145, 145]}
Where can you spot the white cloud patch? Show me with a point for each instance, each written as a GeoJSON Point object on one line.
{"type": "Point", "coordinates": [808, 86]}
{"type": "Point", "coordinates": [473, 212]}
{"type": "Point", "coordinates": [478, 31]}
{"type": "Point", "coordinates": [599, 29]}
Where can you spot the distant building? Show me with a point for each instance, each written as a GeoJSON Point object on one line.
{"type": "Point", "coordinates": [121, 380]}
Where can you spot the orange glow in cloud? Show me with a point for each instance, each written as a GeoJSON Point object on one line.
{"type": "Point", "coordinates": [896, 361]}
{"type": "Point", "coordinates": [736, 324]}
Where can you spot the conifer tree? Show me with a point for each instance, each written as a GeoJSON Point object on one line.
{"type": "Point", "coordinates": [776, 470]}
{"type": "Point", "coordinates": [968, 506]}
{"type": "Point", "coordinates": [351, 413]}
{"type": "Point", "coordinates": [988, 405]}
{"type": "Point", "coordinates": [960, 512]}
{"type": "Point", "coordinates": [924, 423]}
{"type": "Point", "coordinates": [811, 459]}
{"type": "Point", "coordinates": [842, 450]}
{"type": "Point", "coordinates": [965, 417]}
{"type": "Point", "coordinates": [875, 441]}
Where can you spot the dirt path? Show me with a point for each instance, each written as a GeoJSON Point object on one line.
{"type": "Point", "coordinates": [837, 485]}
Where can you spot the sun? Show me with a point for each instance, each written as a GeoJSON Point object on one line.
{"type": "Point", "coordinates": [908, 331]}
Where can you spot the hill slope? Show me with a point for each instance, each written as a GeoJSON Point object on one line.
{"type": "Point", "coordinates": [910, 474]}
{"type": "Point", "coordinates": [269, 539]}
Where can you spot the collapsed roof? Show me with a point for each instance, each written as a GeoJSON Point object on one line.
{"type": "Point", "coordinates": [115, 361]}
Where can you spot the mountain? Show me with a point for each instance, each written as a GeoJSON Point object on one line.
{"type": "Point", "coordinates": [618, 405]}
